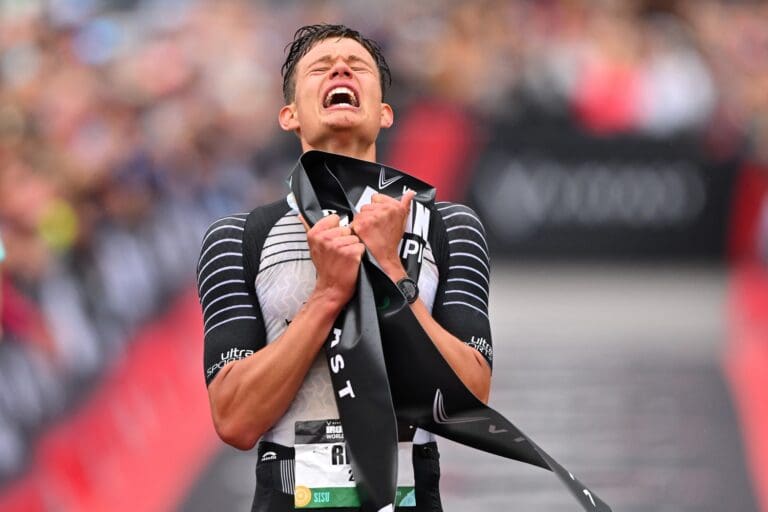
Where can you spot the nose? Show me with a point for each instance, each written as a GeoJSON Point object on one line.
{"type": "Point", "coordinates": [341, 69]}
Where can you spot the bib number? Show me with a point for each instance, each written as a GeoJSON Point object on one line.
{"type": "Point", "coordinates": [324, 477]}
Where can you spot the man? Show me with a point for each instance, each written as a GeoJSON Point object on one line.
{"type": "Point", "coordinates": [270, 287]}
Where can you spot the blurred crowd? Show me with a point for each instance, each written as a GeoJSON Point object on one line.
{"type": "Point", "coordinates": [127, 126]}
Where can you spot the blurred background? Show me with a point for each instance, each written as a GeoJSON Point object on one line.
{"type": "Point", "coordinates": [617, 152]}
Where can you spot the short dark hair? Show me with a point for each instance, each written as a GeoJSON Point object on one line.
{"type": "Point", "coordinates": [308, 36]}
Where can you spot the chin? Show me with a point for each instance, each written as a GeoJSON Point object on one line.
{"type": "Point", "coordinates": [343, 124]}
{"type": "Point", "coordinates": [343, 117]}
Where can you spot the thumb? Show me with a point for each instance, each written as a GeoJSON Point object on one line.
{"type": "Point", "coordinates": [407, 198]}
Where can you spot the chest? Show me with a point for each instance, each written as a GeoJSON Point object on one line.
{"type": "Point", "coordinates": [287, 276]}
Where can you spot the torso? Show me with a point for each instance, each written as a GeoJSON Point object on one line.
{"type": "Point", "coordinates": [285, 279]}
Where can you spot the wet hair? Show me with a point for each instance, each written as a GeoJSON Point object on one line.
{"type": "Point", "coordinates": [308, 36]}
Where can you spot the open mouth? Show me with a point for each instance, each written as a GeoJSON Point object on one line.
{"type": "Point", "coordinates": [341, 96]}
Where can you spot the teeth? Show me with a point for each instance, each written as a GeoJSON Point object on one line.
{"type": "Point", "coordinates": [340, 90]}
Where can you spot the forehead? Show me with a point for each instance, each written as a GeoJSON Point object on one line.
{"type": "Point", "coordinates": [333, 47]}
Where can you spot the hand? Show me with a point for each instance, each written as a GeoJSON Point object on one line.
{"type": "Point", "coordinates": [380, 226]}
{"type": "Point", "coordinates": [336, 253]}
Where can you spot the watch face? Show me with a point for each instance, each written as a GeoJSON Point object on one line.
{"type": "Point", "coordinates": [409, 289]}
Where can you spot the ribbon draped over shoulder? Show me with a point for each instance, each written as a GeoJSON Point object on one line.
{"type": "Point", "coordinates": [390, 370]}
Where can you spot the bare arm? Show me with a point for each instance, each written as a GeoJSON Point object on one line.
{"type": "Point", "coordinates": [380, 226]}
{"type": "Point", "coordinates": [248, 396]}
{"type": "Point", "coordinates": [466, 362]}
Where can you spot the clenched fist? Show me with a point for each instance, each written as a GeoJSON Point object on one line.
{"type": "Point", "coordinates": [336, 253]}
{"type": "Point", "coordinates": [380, 225]}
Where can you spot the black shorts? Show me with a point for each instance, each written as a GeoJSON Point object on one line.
{"type": "Point", "coordinates": [274, 480]}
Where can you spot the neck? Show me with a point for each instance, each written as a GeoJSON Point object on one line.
{"type": "Point", "coordinates": [351, 148]}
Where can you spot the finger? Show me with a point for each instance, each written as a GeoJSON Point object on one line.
{"type": "Point", "coordinates": [337, 231]}
{"type": "Point", "coordinates": [344, 241]}
{"type": "Point", "coordinates": [407, 198]}
{"type": "Point", "coordinates": [331, 234]}
{"type": "Point", "coordinates": [328, 222]}
{"type": "Point", "coordinates": [341, 231]}
{"type": "Point", "coordinates": [356, 249]}
{"type": "Point", "coordinates": [381, 198]}
{"type": "Point", "coordinates": [363, 224]}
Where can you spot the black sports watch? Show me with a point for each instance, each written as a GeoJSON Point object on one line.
{"type": "Point", "coordinates": [409, 288]}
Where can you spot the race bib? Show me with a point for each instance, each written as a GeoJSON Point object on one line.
{"type": "Point", "coordinates": [324, 476]}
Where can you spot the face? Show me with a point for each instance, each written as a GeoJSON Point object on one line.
{"type": "Point", "coordinates": [337, 98]}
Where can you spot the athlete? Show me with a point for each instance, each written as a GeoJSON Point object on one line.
{"type": "Point", "coordinates": [270, 287]}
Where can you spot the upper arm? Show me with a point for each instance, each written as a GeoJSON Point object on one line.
{"type": "Point", "coordinates": [233, 325]}
{"type": "Point", "coordinates": [461, 302]}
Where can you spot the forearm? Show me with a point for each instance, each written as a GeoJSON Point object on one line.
{"type": "Point", "coordinates": [248, 396]}
{"type": "Point", "coordinates": [468, 364]}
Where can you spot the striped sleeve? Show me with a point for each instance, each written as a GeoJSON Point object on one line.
{"type": "Point", "coordinates": [461, 303]}
{"type": "Point", "coordinates": [232, 324]}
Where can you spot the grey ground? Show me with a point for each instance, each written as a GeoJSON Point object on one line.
{"type": "Point", "coordinates": [614, 370]}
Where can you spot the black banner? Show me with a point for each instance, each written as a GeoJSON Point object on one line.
{"type": "Point", "coordinates": [418, 386]}
{"type": "Point", "coordinates": [546, 192]}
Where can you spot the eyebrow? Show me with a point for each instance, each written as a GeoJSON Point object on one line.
{"type": "Point", "coordinates": [350, 59]}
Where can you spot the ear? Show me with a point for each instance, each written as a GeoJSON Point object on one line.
{"type": "Point", "coordinates": [287, 118]}
{"type": "Point", "coordinates": [387, 115]}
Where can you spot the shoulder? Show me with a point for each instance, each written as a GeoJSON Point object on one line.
{"type": "Point", "coordinates": [461, 223]}
{"type": "Point", "coordinates": [221, 233]}
{"type": "Point", "coordinates": [222, 245]}
{"type": "Point", "coordinates": [236, 225]}
{"type": "Point", "coordinates": [224, 227]}
{"type": "Point", "coordinates": [226, 235]}
{"type": "Point", "coordinates": [457, 214]}
{"type": "Point", "coordinates": [260, 220]}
